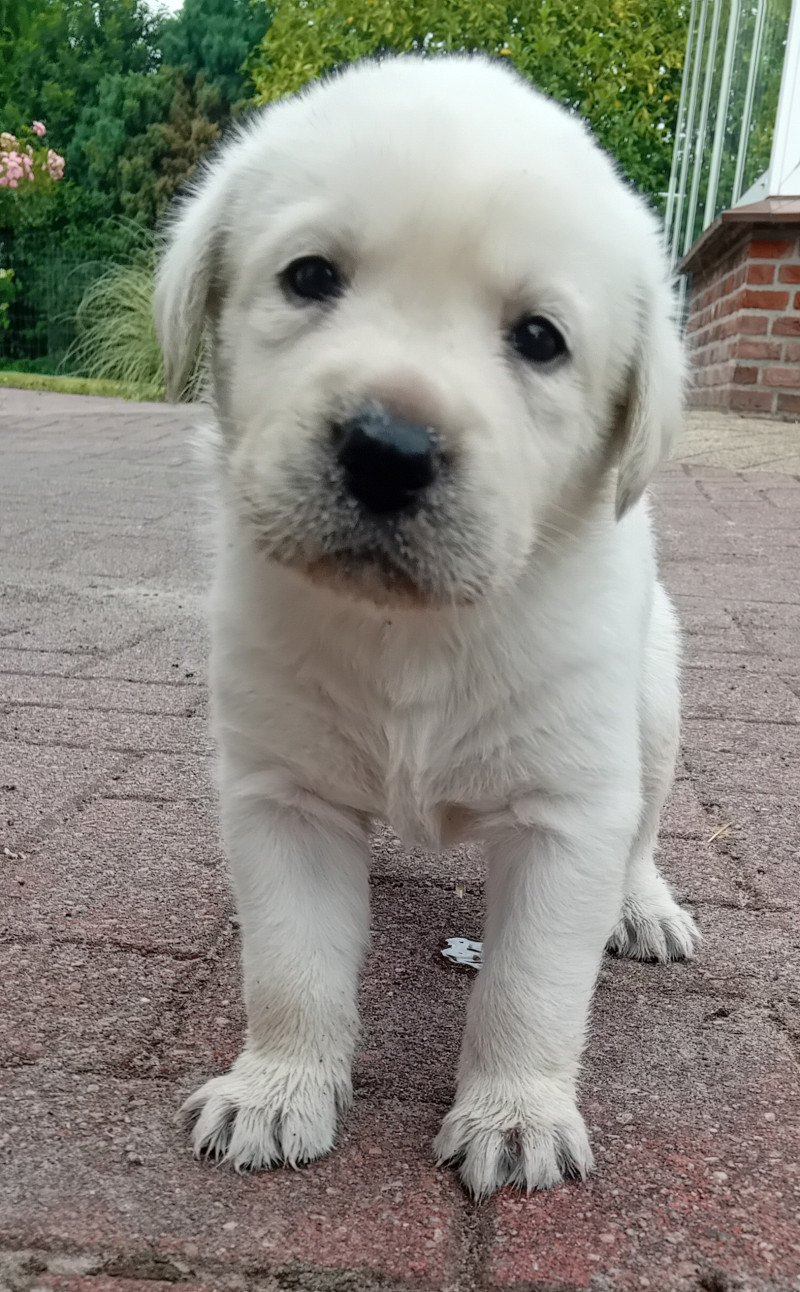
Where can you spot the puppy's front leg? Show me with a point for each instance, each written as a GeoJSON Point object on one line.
{"type": "Point", "coordinates": [303, 898]}
{"type": "Point", "coordinates": [552, 898]}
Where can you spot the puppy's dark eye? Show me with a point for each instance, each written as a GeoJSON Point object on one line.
{"type": "Point", "coordinates": [312, 278]}
{"type": "Point", "coordinates": [538, 340]}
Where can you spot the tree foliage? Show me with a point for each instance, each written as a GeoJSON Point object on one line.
{"type": "Point", "coordinates": [142, 139]}
{"type": "Point", "coordinates": [214, 39]}
{"type": "Point", "coordinates": [133, 98]}
{"type": "Point", "coordinates": [616, 62]}
{"type": "Point", "coordinates": [52, 68]}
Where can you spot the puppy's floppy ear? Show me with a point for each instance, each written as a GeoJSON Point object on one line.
{"type": "Point", "coordinates": [187, 281]}
{"type": "Point", "coordinates": [650, 412]}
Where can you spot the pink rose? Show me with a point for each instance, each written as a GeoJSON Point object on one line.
{"type": "Point", "coordinates": [39, 128]}
{"type": "Point", "coordinates": [55, 164]}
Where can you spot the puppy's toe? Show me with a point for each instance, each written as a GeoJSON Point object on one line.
{"type": "Point", "coordinates": [264, 1113]}
{"type": "Point", "coordinates": [533, 1141]}
{"type": "Point", "coordinates": [653, 926]}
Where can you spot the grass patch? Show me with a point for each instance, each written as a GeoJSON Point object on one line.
{"type": "Point", "coordinates": [79, 386]}
{"type": "Point", "coordinates": [115, 328]}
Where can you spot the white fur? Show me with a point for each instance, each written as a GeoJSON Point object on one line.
{"type": "Point", "coordinates": [521, 688]}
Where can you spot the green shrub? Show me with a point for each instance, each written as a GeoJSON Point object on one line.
{"type": "Point", "coordinates": [45, 366]}
{"type": "Point", "coordinates": [55, 248]}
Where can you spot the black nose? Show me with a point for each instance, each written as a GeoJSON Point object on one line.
{"type": "Point", "coordinates": [388, 462]}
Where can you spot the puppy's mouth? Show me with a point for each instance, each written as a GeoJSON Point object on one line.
{"type": "Point", "coordinates": [372, 562]}
{"type": "Point", "coordinates": [434, 556]}
{"type": "Point", "coordinates": [378, 581]}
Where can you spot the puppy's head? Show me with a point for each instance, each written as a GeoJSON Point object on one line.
{"type": "Point", "coordinates": [438, 320]}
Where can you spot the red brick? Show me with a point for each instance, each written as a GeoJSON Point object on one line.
{"type": "Point", "coordinates": [770, 249]}
{"type": "Point", "coordinates": [762, 274]}
{"type": "Point", "coordinates": [785, 327]}
{"type": "Point", "coordinates": [751, 401]}
{"type": "Point", "coordinates": [763, 300]}
{"type": "Point", "coordinates": [730, 304]}
{"type": "Point", "coordinates": [717, 374]}
{"type": "Point", "coordinates": [791, 351]}
{"type": "Point", "coordinates": [749, 324]}
{"type": "Point", "coordinates": [702, 356]}
{"type": "Point", "coordinates": [789, 273]}
{"type": "Point", "coordinates": [704, 399]}
{"type": "Point", "coordinates": [788, 403]}
{"type": "Point", "coordinates": [744, 376]}
{"type": "Point", "coordinates": [782, 376]}
{"type": "Point", "coordinates": [797, 301]}
{"type": "Point", "coordinates": [757, 350]}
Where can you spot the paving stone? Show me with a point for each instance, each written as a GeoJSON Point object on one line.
{"type": "Point", "coordinates": [40, 786]}
{"type": "Point", "coordinates": [45, 663]}
{"type": "Point", "coordinates": [736, 580]}
{"type": "Point", "coordinates": [83, 1007]}
{"type": "Point", "coordinates": [110, 1172]}
{"type": "Point", "coordinates": [176, 652]}
{"type": "Point", "coordinates": [174, 777]}
{"type": "Point", "coordinates": [102, 1283]}
{"type": "Point", "coordinates": [697, 870]}
{"type": "Point", "coordinates": [738, 693]}
{"type": "Point", "coordinates": [119, 955]}
{"type": "Point", "coordinates": [698, 1152]}
{"type": "Point", "coordinates": [774, 629]}
{"type": "Point", "coordinates": [139, 875]}
{"type": "Point", "coordinates": [757, 833]}
{"type": "Point", "coordinates": [708, 626]}
{"type": "Point", "coordinates": [54, 618]}
{"type": "Point", "coordinates": [684, 816]}
{"type": "Point", "coordinates": [106, 729]}
{"type": "Point", "coordinates": [742, 755]}
{"type": "Point", "coordinates": [185, 698]}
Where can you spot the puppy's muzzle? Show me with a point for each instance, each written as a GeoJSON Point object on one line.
{"type": "Point", "coordinates": [388, 463]}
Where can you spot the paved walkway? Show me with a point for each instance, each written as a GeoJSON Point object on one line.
{"type": "Point", "coordinates": [118, 957]}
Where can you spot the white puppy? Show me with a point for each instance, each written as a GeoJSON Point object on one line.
{"type": "Point", "coordinates": [444, 371]}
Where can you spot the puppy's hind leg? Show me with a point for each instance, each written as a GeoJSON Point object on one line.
{"type": "Point", "coordinates": [652, 926]}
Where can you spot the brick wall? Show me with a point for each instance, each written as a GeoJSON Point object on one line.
{"type": "Point", "coordinates": [743, 325]}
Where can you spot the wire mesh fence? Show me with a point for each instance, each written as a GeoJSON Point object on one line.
{"type": "Point", "coordinates": [42, 288]}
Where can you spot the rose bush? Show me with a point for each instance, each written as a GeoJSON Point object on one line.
{"type": "Point", "coordinates": [24, 160]}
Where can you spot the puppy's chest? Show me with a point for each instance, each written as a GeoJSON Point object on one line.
{"type": "Point", "coordinates": [430, 787]}
{"type": "Point", "coordinates": [427, 771]}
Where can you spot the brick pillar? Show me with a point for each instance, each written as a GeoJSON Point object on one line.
{"type": "Point", "coordinates": [743, 323]}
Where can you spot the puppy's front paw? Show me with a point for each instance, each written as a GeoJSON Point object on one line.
{"type": "Point", "coordinates": [653, 926]}
{"type": "Point", "coordinates": [532, 1140]}
{"type": "Point", "coordinates": [266, 1111]}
